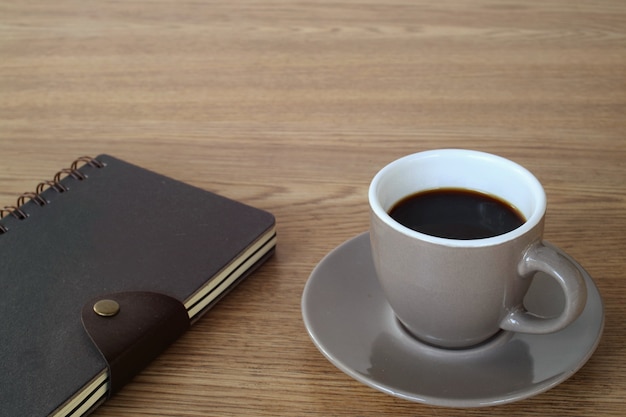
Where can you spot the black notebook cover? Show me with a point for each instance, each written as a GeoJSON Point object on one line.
{"type": "Point", "coordinates": [104, 229]}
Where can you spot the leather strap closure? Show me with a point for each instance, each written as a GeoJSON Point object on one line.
{"type": "Point", "coordinates": [130, 329]}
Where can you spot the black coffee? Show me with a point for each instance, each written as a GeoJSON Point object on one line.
{"type": "Point", "coordinates": [456, 214]}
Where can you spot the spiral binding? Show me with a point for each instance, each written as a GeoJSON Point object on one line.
{"type": "Point", "coordinates": [55, 184]}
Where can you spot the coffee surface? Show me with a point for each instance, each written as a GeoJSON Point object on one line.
{"type": "Point", "coordinates": [456, 214]}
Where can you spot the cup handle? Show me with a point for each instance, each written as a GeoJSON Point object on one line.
{"type": "Point", "coordinates": [541, 258]}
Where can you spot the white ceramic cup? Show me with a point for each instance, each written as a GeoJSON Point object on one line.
{"type": "Point", "coordinates": [455, 293]}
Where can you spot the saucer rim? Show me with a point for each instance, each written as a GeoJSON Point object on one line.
{"type": "Point", "coordinates": [483, 401]}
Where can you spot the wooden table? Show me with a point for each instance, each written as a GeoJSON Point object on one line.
{"type": "Point", "coordinates": [293, 106]}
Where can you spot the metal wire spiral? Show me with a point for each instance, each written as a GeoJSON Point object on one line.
{"type": "Point", "coordinates": [55, 184]}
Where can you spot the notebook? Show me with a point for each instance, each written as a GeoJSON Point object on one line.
{"type": "Point", "coordinates": [104, 266]}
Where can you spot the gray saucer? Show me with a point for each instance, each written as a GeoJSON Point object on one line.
{"type": "Point", "coordinates": [351, 323]}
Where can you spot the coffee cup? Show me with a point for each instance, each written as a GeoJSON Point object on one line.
{"type": "Point", "coordinates": [456, 238]}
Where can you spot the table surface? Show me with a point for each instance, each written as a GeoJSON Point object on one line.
{"type": "Point", "coordinates": [292, 106]}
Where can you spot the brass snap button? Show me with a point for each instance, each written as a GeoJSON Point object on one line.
{"type": "Point", "coordinates": [106, 308]}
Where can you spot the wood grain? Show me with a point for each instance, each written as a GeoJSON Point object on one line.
{"type": "Point", "coordinates": [293, 106]}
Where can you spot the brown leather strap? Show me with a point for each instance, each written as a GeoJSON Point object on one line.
{"type": "Point", "coordinates": [131, 329]}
